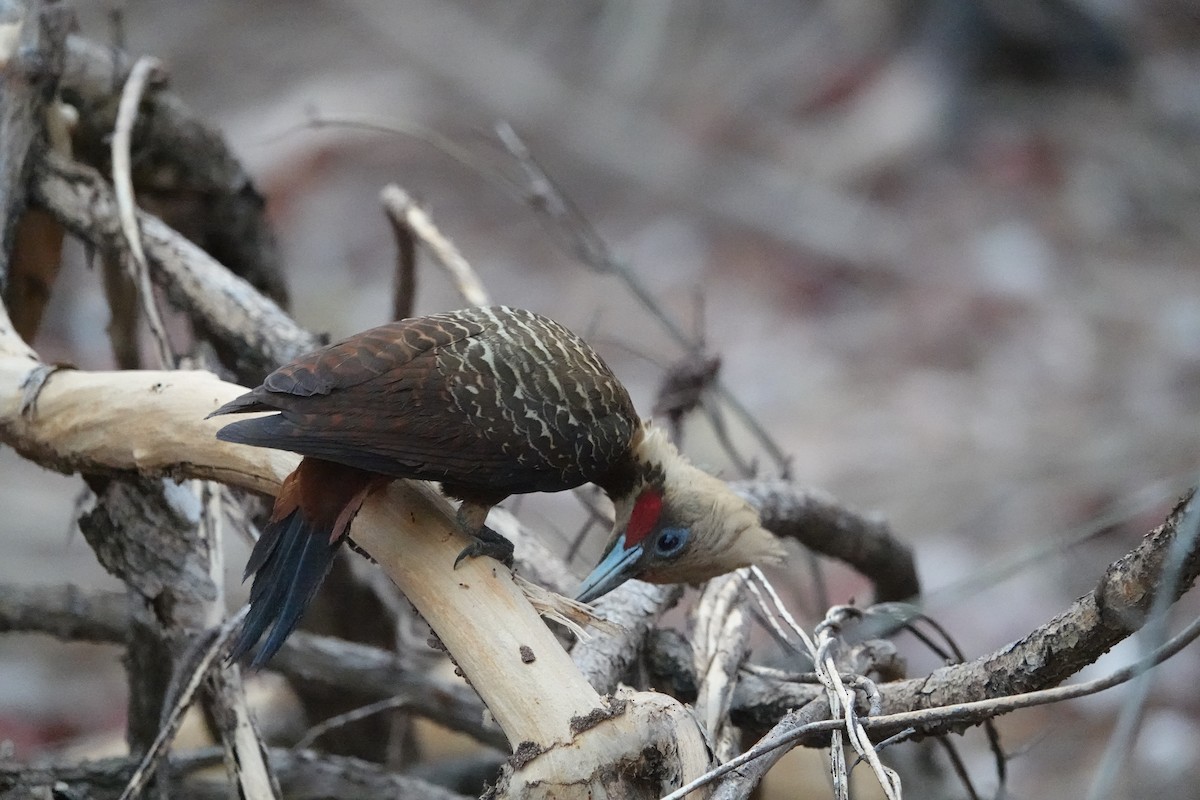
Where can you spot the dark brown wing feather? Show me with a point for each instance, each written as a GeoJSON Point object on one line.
{"type": "Point", "coordinates": [495, 399]}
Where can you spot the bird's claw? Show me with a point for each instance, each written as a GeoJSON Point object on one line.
{"type": "Point", "coordinates": [488, 543]}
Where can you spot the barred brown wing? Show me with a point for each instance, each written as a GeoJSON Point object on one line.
{"type": "Point", "coordinates": [495, 398]}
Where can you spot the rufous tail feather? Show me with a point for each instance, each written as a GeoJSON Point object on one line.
{"type": "Point", "coordinates": [296, 550]}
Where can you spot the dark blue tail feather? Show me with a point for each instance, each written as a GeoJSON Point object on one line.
{"type": "Point", "coordinates": [267, 543]}
{"type": "Point", "coordinates": [290, 561]}
{"type": "Point", "coordinates": [314, 560]}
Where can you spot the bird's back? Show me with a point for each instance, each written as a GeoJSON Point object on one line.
{"type": "Point", "coordinates": [499, 400]}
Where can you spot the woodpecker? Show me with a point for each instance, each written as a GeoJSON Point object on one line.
{"type": "Point", "coordinates": [488, 402]}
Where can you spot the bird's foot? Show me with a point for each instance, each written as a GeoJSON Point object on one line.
{"type": "Point", "coordinates": [353, 546]}
{"type": "Point", "coordinates": [487, 542]}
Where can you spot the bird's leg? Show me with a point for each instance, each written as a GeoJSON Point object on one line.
{"type": "Point", "coordinates": [471, 518]}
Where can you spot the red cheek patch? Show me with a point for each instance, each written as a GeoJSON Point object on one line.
{"type": "Point", "coordinates": [646, 511]}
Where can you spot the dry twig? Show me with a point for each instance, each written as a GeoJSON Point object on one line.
{"type": "Point", "coordinates": [208, 654]}
{"type": "Point", "coordinates": [304, 775]}
{"type": "Point", "coordinates": [581, 239]}
{"type": "Point", "coordinates": [404, 285]}
{"type": "Point", "coordinates": [805, 722]}
{"type": "Point", "coordinates": [253, 328]}
{"type": "Point", "coordinates": [362, 712]}
{"type": "Point", "coordinates": [825, 526]}
{"type": "Point", "coordinates": [721, 640]}
{"type": "Point", "coordinates": [402, 210]}
{"type": "Point", "coordinates": [144, 71]}
{"type": "Point", "coordinates": [1120, 744]}
{"type": "Point", "coordinates": [245, 754]}
{"type": "Point", "coordinates": [179, 158]}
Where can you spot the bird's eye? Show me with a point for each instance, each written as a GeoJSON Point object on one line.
{"type": "Point", "coordinates": [670, 542]}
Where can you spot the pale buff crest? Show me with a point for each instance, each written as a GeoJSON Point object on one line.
{"type": "Point", "coordinates": [725, 530]}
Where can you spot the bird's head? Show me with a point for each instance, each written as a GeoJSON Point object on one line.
{"type": "Point", "coordinates": [677, 525]}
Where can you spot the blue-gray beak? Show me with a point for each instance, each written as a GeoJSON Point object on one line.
{"type": "Point", "coordinates": [614, 569]}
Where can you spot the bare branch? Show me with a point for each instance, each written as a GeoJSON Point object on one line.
{"type": "Point", "coordinates": [246, 760]}
{"type": "Point", "coordinates": [121, 293]}
{"type": "Point", "coordinates": [1182, 548]}
{"type": "Point", "coordinates": [144, 531]}
{"type": "Point", "coordinates": [176, 155]}
{"type": "Point", "coordinates": [254, 329]}
{"type": "Point", "coordinates": [144, 71]}
{"type": "Point", "coordinates": [156, 751]}
{"type": "Point", "coordinates": [818, 522]}
{"type": "Point", "coordinates": [360, 670]}
{"type": "Point", "coordinates": [372, 674]}
{"type": "Point", "coordinates": [581, 239]}
{"type": "Point", "coordinates": [362, 712]}
{"type": "Point", "coordinates": [65, 612]}
{"type": "Point", "coordinates": [1128, 589]}
{"type": "Point", "coordinates": [32, 47]}
{"type": "Point", "coordinates": [1049, 655]}
{"type": "Point", "coordinates": [403, 210]}
{"type": "Point", "coordinates": [304, 775]}
{"type": "Point", "coordinates": [761, 699]}
{"type": "Point", "coordinates": [751, 771]}
{"type": "Point", "coordinates": [635, 606]}
{"type": "Point", "coordinates": [404, 285]}
{"type": "Point", "coordinates": [721, 642]}
{"type": "Point", "coordinates": [225, 698]}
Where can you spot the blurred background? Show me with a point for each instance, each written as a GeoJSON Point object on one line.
{"type": "Point", "coordinates": [946, 250]}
